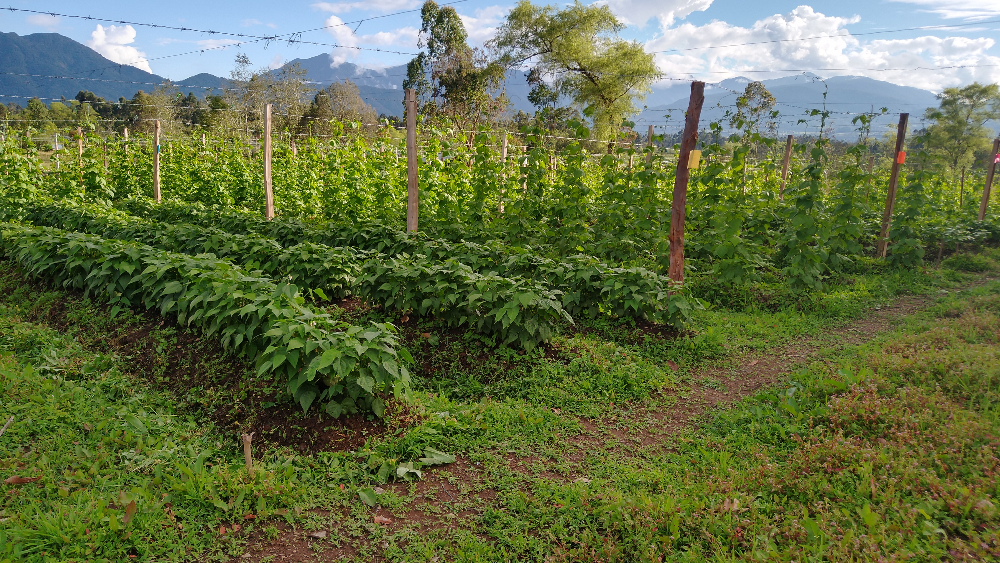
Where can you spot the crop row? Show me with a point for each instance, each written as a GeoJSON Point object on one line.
{"type": "Point", "coordinates": [588, 286]}
{"type": "Point", "coordinates": [515, 310]}
{"type": "Point", "coordinates": [344, 367]}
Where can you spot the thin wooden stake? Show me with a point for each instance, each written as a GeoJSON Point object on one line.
{"type": "Point", "coordinates": [268, 192]}
{"type": "Point", "coordinates": [105, 154]}
{"type": "Point", "coordinates": [156, 161]}
{"type": "Point", "coordinates": [412, 188]}
{"type": "Point", "coordinates": [890, 198]}
{"type": "Point", "coordinates": [649, 145]}
{"type": "Point", "coordinates": [503, 166]}
{"type": "Point", "coordinates": [202, 139]}
{"type": "Point", "coordinates": [247, 455]}
{"type": "Point", "coordinates": [125, 144]}
{"type": "Point", "coordinates": [994, 156]}
{"type": "Point", "coordinates": [868, 182]}
{"type": "Point", "coordinates": [688, 142]}
{"type": "Point", "coordinates": [961, 190]}
{"type": "Point", "coordinates": [784, 167]}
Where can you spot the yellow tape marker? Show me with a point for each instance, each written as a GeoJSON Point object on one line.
{"type": "Point", "coordinates": [694, 159]}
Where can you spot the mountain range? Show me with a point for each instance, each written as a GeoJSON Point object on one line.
{"type": "Point", "coordinates": [51, 66]}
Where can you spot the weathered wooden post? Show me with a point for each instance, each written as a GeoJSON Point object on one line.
{"type": "Point", "coordinates": [899, 157]}
{"type": "Point", "coordinates": [688, 142]}
{"type": "Point", "coordinates": [784, 166]}
{"type": "Point", "coordinates": [412, 191]}
{"type": "Point", "coordinates": [156, 161]}
{"type": "Point", "coordinates": [268, 192]}
{"type": "Point", "coordinates": [995, 157]}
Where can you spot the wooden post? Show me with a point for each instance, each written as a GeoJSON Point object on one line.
{"type": "Point", "coordinates": [503, 166]}
{"type": "Point", "coordinates": [125, 139]}
{"type": "Point", "coordinates": [649, 145]}
{"type": "Point", "coordinates": [156, 161]}
{"type": "Point", "coordinates": [994, 156]}
{"type": "Point", "coordinates": [784, 167]}
{"type": "Point", "coordinates": [890, 198]}
{"type": "Point", "coordinates": [203, 140]}
{"type": "Point", "coordinates": [79, 151]}
{"type": "Point", "coordinates": [268, 193]}
{"type": "Point", "coordinates": [688, 142]}
{"type": "Point", "coordinates": [868, 182]}
{"type": "Point", "coordinates": [412, 190]}
{"type": "Point", "coordinates": [961, 190]}
{"type": "Point", "coordinates": [295, 151]}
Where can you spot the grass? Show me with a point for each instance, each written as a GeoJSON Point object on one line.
{"type": "Point", "coordinates": [887, 450]}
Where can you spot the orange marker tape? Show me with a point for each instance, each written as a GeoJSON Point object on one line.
{"type": "Point", "coordinates": [901, 157]}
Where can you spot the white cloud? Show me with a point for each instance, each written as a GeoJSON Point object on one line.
{"type": "Point", "coordinates": [113, 43]}
{"type": "Point", "coordinates": [789, 41]}
{"type": "Point", "coordinates": [483, 25]}
{"type": "Point", "coordinates": [952, 9]}
{"type": "Point", "coordinates": [345, 36]}
{"type": "Point", "coordinates": [638, 12]}
{"type": "Point", "coordinates": [372, 6]}
{"type": "Point", "coordinates": [277, 62]}
{"type": "Point", "coordinates": [250, 22]}
{"type": "Point", "coordinates": [44, 20]}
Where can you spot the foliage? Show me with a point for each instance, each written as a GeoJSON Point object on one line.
{"type": "Point", "coordinates": [578, 48]}
{"type": "Point", "coordinates": [343, 366]}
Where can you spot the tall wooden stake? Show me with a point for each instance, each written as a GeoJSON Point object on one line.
{"type": "Point", "coordinates": [868, 182]}
{"type": "Point", "coordinates": [156, 161]}
{"type": "Point", "coordinates": [784, 167]}
{"type": "Point", "coordinates": [412, 191]}
{"type": "Point", "coordinates": [890, 198]}
{"type": "Point", "coordinates": [125, 138]}
{"type": "Point", "coordinates": [649, 145]}
{"type": "Point", "coordinates": [961, 190]}
{"type": "Point", "coordinates": [994, 156]}
{"type": "Point", "coordinates": [268, 193]}
{"type": "Point", "coordinates": [503, 166]}
{"type": "Point", "coordinates": [688, 142]}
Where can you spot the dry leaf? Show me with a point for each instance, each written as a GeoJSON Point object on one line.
{"type": "Point", "coordinates": [236, 527]}
{"type": "Point", "coordinates": [318, 535]}
{"type": "Point", "coordinates": [753, 363]}
{"type": "Point", "coordinates": [222, 530]}
{"type": "Point", "coordinates": [129, 512]}
{"type": "Point", "coordinates": [379, 490]}
{"type": "Point", "coordinates": [15, 480]}
{"type": "Point", "coordinates": [404, 319]}
{"type": "Point", "coordinates": [381, 519]}
{"type": "Point", "coordinates": [673, 365]}
{"type": "Point", "coordinates": [87, 427]}
{"type": "Point", "coordinates": [425, 335]}
{"type": "Point", "coordinates": [248, 516]}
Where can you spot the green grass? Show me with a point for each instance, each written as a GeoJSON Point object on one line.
{"type": "Point", "coordinates": [887, 450]}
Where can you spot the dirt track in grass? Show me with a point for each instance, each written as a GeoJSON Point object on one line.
{"type": "Point", "coordinates": [738, 376]}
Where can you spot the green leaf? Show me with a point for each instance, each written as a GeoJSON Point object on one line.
{"type": "Point", "coordinates": [367, 496]}
{"type": "Point", "coordinates": [436, 457]}
{"type": "Point", "coordinates": [136, 424]}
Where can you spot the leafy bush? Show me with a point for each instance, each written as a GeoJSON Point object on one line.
{"type": "Point", "coordinates": [347, 367]}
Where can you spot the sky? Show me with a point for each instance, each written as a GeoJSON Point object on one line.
{"type": "Point", "coordinates": [704, 39]}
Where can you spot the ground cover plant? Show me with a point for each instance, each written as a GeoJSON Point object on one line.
{"type": "Point", "coordinates": [520, 380]}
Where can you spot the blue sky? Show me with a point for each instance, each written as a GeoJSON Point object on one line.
{"type": "Point", "coordinates": [707, 39]}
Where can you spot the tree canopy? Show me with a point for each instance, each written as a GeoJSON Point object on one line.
{"type": "Point", "coordinates": [958, 126]}
{"type": "Point", "coordinates": [577, 48]}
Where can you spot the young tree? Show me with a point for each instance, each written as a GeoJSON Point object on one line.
{"type": "Point", "coordinates": [958, 127]}
{"type": "Point", "coordinates": [340, 101]}
{"type": "Point", "coordinates": [579, 50]}
{"type": "Point", "coordinates": [452, 71]}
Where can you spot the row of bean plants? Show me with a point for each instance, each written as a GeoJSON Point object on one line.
{"type": "Point", "coordinates": [341, 366]}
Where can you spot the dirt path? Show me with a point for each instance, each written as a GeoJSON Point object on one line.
{"type": "Point", "coordinates": [738, 376]}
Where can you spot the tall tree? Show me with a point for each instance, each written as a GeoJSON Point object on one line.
{"type": "Point", "coordinates": [450, 76]}
{"type": "Point", "coordinates": [340, 101]}
{"type": "Point", "coordinates": [959, 124]}
{"type": "Point", "coordinates": [577, 48]}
